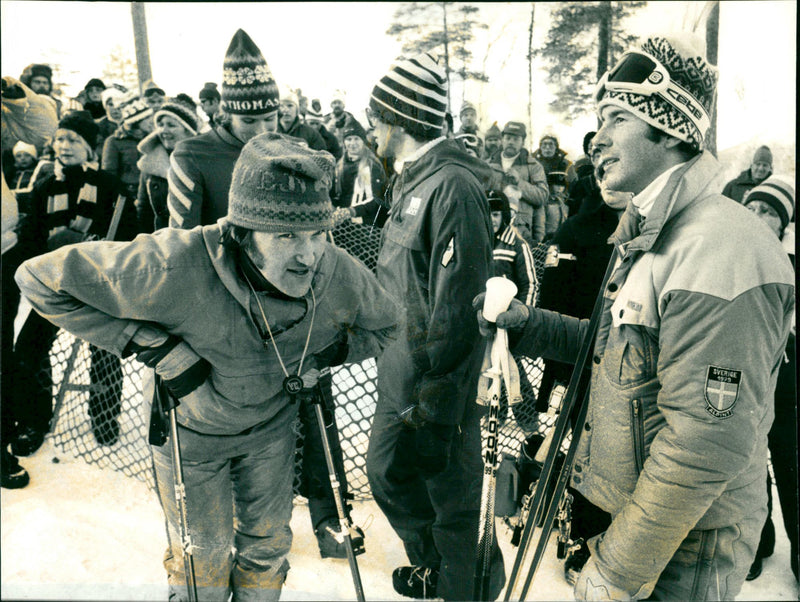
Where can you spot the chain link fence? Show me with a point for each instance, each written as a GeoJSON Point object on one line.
{"type": "Point", "coordinates": [100, 416]}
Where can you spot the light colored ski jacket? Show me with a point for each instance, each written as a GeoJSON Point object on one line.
{"type": "Point", "coordinates": [187, 284]}
{"type": "Point", "coordinates": [695, 318]}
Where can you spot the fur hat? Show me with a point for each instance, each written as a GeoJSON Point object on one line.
{"type": "Point", "coordinates": [413, 95]}
{"type": "Point", "coordinates": [248, 87]}
{"type": "Point", "coordinates": [493, 132]}
{"type": "Point", "coordinates": [81, 123]}
{"type": "Point", "coordinates": [778, 193]}
{"type": "Point", "coordinates": [180, 112]}
{"type": "Point", "coordinates": [763, 155]}
{"type": "Point", "coordinates": [36, 70]}
{"type": "Point", "coordinates": [24, 147]}
{"type": "Point", "coordinates": [279, 184]}
{"type": "Point", "coordinates": [209, 92]}
{"type": "Point", "coordinates": [548, 137]}
{"type": "Point", "coordinates": [682, 55]}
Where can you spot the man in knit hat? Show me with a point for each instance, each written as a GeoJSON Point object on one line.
{"type": "Point", "coordinates": [695, 316]}
{"type": "Point", "coordinates": [773, 201]}
{"type": "Point", "coordinates": [760, 169]}
{"type": "Point", "coordinates": [338, 118]}
{"type": "Point", "coordinates": [469, 126]}
{"type": "Point", "coordinates": [424, 460]}
{"type": "Point", "coordinates": [218, 300]}
{"type": "Point", "coordinates": [210, 103]}
{"type": "Point", "coordinates": [120, 152]}
{"type": "Point", "coordinates": [492, 143]}
{"type": "Point", "coordinates": [201, 167]}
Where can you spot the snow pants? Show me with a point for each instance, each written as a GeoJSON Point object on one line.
{"type": "Point", "coordinates": [239, 503]}
{"type": "Point", "coordinates": [437, 518]}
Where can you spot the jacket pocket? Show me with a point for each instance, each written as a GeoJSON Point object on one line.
{"type": "Point", "coordinates": [637, 428]}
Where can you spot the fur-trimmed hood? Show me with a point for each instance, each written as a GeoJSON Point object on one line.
{"type": "Point", "coordinates": [155, 158]}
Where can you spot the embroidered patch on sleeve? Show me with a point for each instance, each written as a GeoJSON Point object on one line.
{"type": "Point", "coordinates": [721, 391]}
{"type": "Point", "coordinates": [449, 252]}
{"type": "Point", "coordinates": [413, 206]}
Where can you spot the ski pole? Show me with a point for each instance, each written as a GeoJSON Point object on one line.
{"type": "Point", "coordinates": [499, 292]}
{"type": "Point", "coordinates": [170, 404]}
{"type": "Point", "coordinates": [546, 498]}
{"type": "Point", "coordinates": [321, 396]}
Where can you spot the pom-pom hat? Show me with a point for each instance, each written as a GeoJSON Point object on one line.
{"type": "Point", "coordinates": [413, 95]}
{"type": "Point", "coordinates": [180, 113]}
{"type": "Point", "coordinates": [281, 185]}
{"type": "Point", "coordinates": [668, 84]}
{"type": "Point", "coordinates": [248, 87]}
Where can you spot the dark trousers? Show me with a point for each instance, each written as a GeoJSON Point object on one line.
{"type": "Point", "coordinates": [315, 482]}
{"type": "Point", "coordinates": [437, 518]}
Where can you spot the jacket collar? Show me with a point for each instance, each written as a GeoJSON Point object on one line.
{"type": "Point", "coordinates": [696, 179]}
{"type": "Point", "coordinates": [155, 158]}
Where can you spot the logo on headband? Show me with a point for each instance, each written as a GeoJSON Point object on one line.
{"type": "Point", "coordinates": [655, 77]}
{"type": "Point", "coordinates": [684, 100]}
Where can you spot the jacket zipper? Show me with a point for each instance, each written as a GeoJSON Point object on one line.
{"type": "Point", "coordinates": [637, 426]}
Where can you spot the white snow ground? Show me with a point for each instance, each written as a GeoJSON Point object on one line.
{"type": "Point", "coordinates": [78, 532]}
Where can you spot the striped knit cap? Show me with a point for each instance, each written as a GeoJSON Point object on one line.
{"type": "Point", "coordinates": [682, 57]}
{"type": "Point", "coordinates": [778, 193]}
{"type": "Point", "coordinates": [248, 87]}
{"type": "Point", "coordinates": [279, 184]}
{"type": "Point", "coordinates": [413, 95]}
{"type": "Point", "coordinates": [181, 113]}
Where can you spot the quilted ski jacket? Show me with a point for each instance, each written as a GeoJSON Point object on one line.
{"type": "Point", "coordinates": [695, 318]}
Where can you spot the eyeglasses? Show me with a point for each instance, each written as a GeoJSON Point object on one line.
{"type": "Point", "coordinates": [638, 72]}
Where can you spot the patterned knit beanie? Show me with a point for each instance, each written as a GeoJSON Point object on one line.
{"type": "Point", "coordinates": [778, 193]}
{"type": "Point", "coordinates": [248, 87]}
{"type": "Point", "coordinates": [279, 184]}
{"type": "Point", "coordinates": [81, 123]}
{"type": "Point", "coordinates": [682, 57]}
{"type": "Point", "coordinates": [413, 95]}
{"type": "Point", "coordinates": [135, 110]}
{"type": "Point", "coordinates": [179, 111]}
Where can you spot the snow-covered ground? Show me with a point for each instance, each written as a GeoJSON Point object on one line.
{"type": "Point", "coordinates": [78, 532]}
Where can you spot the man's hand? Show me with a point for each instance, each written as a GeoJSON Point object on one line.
{"type": "Point", "coordinates": [181, 368]}
{"type": "Point", "coordinates": [591, 585]}
{"type": "Point", "coordinates": [513, 319]}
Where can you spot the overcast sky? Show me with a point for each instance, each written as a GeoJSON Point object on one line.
{"type": "Point", "coordinates": [321, 47]}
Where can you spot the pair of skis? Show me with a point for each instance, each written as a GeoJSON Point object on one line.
{"type": "Point", "coordinates": [546, 503]}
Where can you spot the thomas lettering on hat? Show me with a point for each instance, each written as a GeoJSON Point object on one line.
{"type": "Point", "coordinates": [255, 104]}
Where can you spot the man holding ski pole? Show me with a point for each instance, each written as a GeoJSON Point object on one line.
{"type": "Point", "coordinates": [695, 317]}
{"type": "Point", "coordinates": [424, 458]}
{"type": "Point", "coordinates": [232, 317]}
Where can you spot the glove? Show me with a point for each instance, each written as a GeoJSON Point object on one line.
{"type": "Point", "coordinates": [181, 368]}
{"type": "Point", "coordinates": [433, 443]}
{"type": "Point", "coordinates": [514, 319]}
{"type": "Point", "coordinates": [592, 585]}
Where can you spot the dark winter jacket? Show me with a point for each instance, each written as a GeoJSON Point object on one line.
{"type": "Point", "coordinates": [741, 184]}
{"type": "Point", "coordinates": [106, 128]}
{"type": "Point", "coordinates": [513, 259]}
{"type": "Point", "coordinates": [336, 125]}
{"type": "Point", "coordinates": [187, 284]}
{"type": "Point", "coordinates": [558, 162]}
{"type": "Point", "coordinates": [331, 141]}
{"type": "Point", "coordinates": [436, 255]}
{"type": "Point", "coordinates": [532, 183]}
{"type": "Point", "coordinates": [690, 339]}
{"type": "Point", "coordinates": [151, 202]}
{"type": "Point", "coordinates": [199, 177]}
{"type": "Point", "coordinates": [298, 129]}
{"type": "Point", "coordinates": [78, 207]}
{"type": "Point", "coordinates": [120, 156]}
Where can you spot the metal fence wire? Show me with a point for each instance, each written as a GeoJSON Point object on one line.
{"type": "Point", "coordinates": [100, 414]}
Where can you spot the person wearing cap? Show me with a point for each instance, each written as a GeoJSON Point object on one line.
{"type": "Point", "coordinates": [90, 98]}
{"type": "Point", "coordinates": [233, 311]}
{"type": "Point", "coordinates": [424, 458]}
{"type": "Point", "coordinates": [692, 329]}
{"type": "Point", "coordinates": [493, 144]}
{"type": "Point", "coordinates": [201, 167]}
{"type": "Point", "coordinates": [338, 118]}
{"type": "Point", "coordinates": [360, 181]}
{"type": "Point", "coordinates": [74, 204]}
{"type": "Point", "coordinates": [289, 122]}
{"type": "Point", "coordinates": [760, 169]}
{"type": "Point", "coordinates": [774, 202]}
{"type": "Point", "coordinates": [468, 115]}
{"type": "Point", "coordinates": [210, 103]}
{"type": "Point", "coordinates": [120, 152]}
{"type": "Point", "coordinates": [551, 156]}
{"type": "Point", "coordinates": [154, 97]}
{"type": "Point", "coordinates": [524, 182]}
{"type": "Point", "coordinates": [174, 121]}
